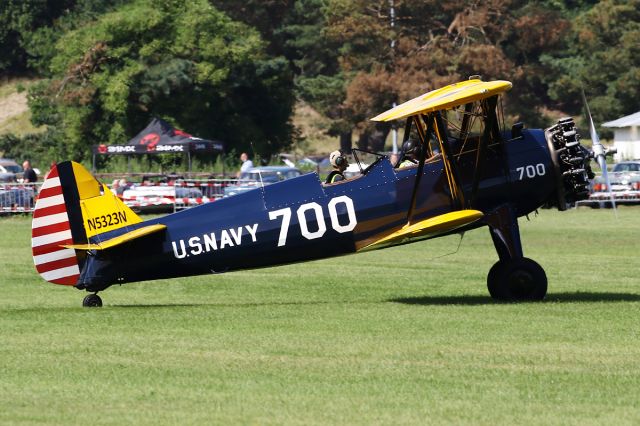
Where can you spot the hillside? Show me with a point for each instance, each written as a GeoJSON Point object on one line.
{"type": "Point", "coordinates": [15, 116]}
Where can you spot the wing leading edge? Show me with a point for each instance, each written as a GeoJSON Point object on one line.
{"type": "Point", "coordinates": [445, 98]}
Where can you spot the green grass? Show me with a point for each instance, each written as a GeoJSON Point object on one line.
{"type": "Point", "coordinates": [395, 336]}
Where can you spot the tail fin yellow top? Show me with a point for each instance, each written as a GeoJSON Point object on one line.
{"type": "Point", "coordinates": [101, 209]}
{"type": "Point", "coordinates": [72, 207]}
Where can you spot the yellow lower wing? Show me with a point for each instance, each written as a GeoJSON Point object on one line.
{"type": "Point", "coordinates": [427, 228]}
{"type": "Point", "coordinates": [132, 235]}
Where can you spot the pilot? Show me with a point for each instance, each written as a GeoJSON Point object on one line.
{"type": "Point", "coordinates": [339, 164]}
{"type": "Point", "coordinates": [411, 151]}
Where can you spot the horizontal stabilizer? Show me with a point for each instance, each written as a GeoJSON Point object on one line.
{"type": "Point", "coordinates": [121, 239]}
{"type": "Point", "coordinates": [427, 228]}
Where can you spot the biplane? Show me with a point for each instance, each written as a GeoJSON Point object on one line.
{"type": "Point", "coordinates": [472, 172]}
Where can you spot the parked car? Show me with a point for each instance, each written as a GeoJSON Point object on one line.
{"type": "Point", "coordinates": [624, 176]}
{"type": "Point", "coordinates": [9, 170]}
{"type": "Point", "coordinates": [258, 176]}
{"type": "Point", "coordinates": [625, 186]}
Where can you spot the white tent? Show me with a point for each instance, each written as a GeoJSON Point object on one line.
{"type": "Point", "coordinates": [626, 137]}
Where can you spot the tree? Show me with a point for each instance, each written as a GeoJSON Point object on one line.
{"type": "Point", "coordinates": [186, 62]}
{"type": "Point", "coordinates": [19, 19]}
{"type": "Point", "coordinates": [603, 58]}
{"type": "Point", "coordinates": [439, 43]}
{"type": "Point", "coordinates": [266, 16]}
{"type": "Point", "coordinates": [30, 29]}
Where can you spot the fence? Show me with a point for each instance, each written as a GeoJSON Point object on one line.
{"type": "Point", "coordinates": [174, 195]}
{"type": "Point", "coordinates": [17, 197]}
{"type": "Point", "coordinates": [143, 197]}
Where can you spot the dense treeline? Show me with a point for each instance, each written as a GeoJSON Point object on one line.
{"type": "Point", "coordinates": [233, 70]}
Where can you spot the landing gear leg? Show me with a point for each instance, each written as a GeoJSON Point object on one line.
{"type": "Point", "coordinates": [92, 301]}
{"type": "Point", "coordinates": [514, 277]}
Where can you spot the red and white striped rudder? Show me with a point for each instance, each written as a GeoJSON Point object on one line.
{"type": "Point", "coordinates": [50, 230]}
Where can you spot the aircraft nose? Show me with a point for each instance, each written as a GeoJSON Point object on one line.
{"type": "Point", "coordinates": [571, 162]}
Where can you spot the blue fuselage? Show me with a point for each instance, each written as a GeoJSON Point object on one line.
{"type": "Point", "coordinates": [302, 219]}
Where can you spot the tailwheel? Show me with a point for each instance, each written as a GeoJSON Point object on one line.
{"type": "Point", "coordinates": [92, 301]}
{"type": "Point", "coordinates": [519, 279]}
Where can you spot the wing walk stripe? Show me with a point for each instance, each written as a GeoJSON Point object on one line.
{"type": "Point", "coordinates": [56, 255]}
{"type": "Point", "coordinates": [56, 237]}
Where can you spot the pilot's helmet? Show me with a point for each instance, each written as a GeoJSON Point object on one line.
{"type": "Point", "coordinates": [411, 147]}
{"type": "Point", "coordinates": [338, 160]}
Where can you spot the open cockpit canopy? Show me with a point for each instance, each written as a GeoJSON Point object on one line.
{"type": "Point", "coordinates": [447, 122]}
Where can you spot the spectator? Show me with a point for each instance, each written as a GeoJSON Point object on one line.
{"type": "Point", "coordinates": [29, 174]}
{"type": "Point", "coordinates": [246, 164]}
{"type": "Point", "coordinates": [123, 185]}
{"type": "Point", "coordinates": [115, 185]}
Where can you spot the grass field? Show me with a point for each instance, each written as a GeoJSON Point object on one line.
{"type": "Point", "coordinates": [398, 336]}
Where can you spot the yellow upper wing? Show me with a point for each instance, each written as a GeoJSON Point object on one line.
{"type": "Point", "coordinates": [445, 98]}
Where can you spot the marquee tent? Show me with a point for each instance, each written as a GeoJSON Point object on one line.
{"type": "Point", "coordinates": [160, 137]}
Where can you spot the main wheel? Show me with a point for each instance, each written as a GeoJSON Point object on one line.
{"type": "Point", "coordinates": [517, 280]}
{"type": "Point", "coordinates": [92, 301]}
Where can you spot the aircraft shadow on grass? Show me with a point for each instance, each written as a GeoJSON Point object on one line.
{"type": "Point", "coordinates": [471, 300]}
{"type": "Point", "coordinates": [221, 305]}
{"type": "Point", "coordinates": [576, 297]}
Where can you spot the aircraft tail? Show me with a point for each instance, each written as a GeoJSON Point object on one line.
{"type": "Point", "coordinates": [72, 207]}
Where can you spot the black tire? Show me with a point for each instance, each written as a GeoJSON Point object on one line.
{"type": "Point", "coordinates": [92, 301]}
{"type": "Point", "coordinates": [495, 290]}
{"type": "Point", "coordinates": [517, 280]}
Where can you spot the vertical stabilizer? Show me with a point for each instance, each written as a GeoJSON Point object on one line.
{"type": "Point", "coordinates": [72, 207]}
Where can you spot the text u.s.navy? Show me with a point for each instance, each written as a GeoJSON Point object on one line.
{"type": "Point", "coordinates": [207, 242]}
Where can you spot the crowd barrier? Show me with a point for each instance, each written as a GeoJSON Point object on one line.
{"type": "Point", "coordinates": [174, 195]}
{"type": "Point", "coordinates": [17, 197]}
{"type": "Point", "coordinates": [141, 197]}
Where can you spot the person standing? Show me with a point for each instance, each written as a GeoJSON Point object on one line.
{"type": "Point", "coordinates": [246, 164]}
{"type": "Point", "coordinates": [29, 175]}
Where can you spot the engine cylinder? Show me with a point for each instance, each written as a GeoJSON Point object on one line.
{"type": "Point", "coordinates": [571, 163]}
